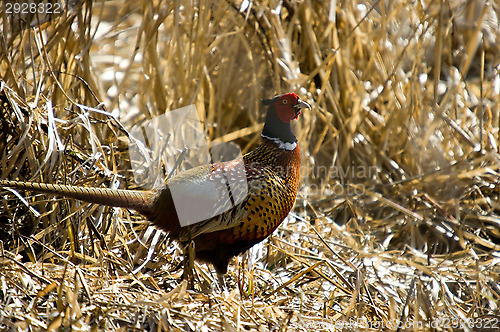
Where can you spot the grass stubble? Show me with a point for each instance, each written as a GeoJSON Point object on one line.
{"type": "Point", "coordinates": [396, 224]}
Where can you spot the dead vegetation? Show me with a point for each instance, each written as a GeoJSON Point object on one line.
{"type": "Point", "coordinates": [397, 218]}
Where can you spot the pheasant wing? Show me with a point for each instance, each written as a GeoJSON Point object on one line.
{"type": "Point", "coordinates": [205, 192]}
{"type": "Point", "coordinates": [258, 209]}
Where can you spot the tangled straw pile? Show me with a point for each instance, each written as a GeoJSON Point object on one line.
{"type": "Point", "coordinates": [397, 219]}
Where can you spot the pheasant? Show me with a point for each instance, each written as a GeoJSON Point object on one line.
{"type": "Point", "coordinates": [262, 192]}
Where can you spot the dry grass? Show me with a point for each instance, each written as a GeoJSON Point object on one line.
{"type": "Point", "coordinates": [397, 217]}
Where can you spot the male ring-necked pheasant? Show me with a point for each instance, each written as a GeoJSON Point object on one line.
{"type": "Point", "coordinates": [270, 173]}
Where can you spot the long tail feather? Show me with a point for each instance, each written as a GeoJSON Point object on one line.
{"type": "Point", "coordinates": [132, 199]}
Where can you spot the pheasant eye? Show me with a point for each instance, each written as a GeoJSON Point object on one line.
{"type": "Point", "coordinates": [284, 101]}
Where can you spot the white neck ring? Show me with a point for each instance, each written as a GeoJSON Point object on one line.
{"type": "Point", "coordinates": [282, 145]}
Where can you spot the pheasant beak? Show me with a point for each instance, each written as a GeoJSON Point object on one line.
{"type": "Point", "coordinates": [300, 104]}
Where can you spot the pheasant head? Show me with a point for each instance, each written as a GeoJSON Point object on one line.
{"type": "Point", "coordinates": [281, 111]}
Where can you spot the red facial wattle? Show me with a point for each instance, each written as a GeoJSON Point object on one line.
{"type": "Point", "coordinates": [285, 107]}
{"type": "Point", "coordinates": [287, 113]}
